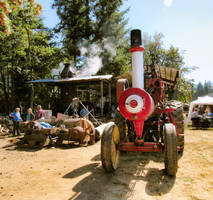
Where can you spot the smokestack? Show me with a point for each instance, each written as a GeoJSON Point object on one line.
{"type": "Point", "coordinates": [137, 59]}
{"type": "Point", "coordinates": [67, 71]}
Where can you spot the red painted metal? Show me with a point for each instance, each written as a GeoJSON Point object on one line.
{"type": "Point", "coordinates": [122, 85]}
{"type": "Point", "coordinates": [147, 147]}
{"type": "Point", "coordinates": [154, 95]}
{"type": "Point", "coordinates": [133, 103]}
{"type": "Point", "coordinates": [158, 94]}
{"type": "Point", "coordinates": [139, 128]}
{"type": "Point", "coordinates": [134, 49]}
{"type": "Point", "coordinates": [139, 117]}
{"type": "Point", "coordinates": [144, 113]}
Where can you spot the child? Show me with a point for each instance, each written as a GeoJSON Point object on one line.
{"type": "Point", "coordinates": [16, 119]}
{"type": "Point", "coordinates": [30, 116]}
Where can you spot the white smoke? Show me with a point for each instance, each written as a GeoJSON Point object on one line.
{"type": "Point", "coordinates": [168, 3]}
{"type": "Point", "coordinates": [110, 47]}
{"type": "Point", "coordinates": [93, 62]}
{"type": "Point", "coordinates": [56, 72]}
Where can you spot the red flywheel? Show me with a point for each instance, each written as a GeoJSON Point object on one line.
{"type": "Point", "coordinates": [136, 104]}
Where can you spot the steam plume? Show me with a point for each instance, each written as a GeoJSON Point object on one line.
{"type": "Point", "coordinates": [93, 61]}
{"type": "Point", "coordinates": [168, 3]}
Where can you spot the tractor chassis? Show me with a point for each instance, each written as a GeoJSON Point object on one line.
{"type": "Point", "coordinates": [141, 147]}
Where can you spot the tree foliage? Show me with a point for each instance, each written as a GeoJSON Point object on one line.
{"type": "Point", "coordinates": [8, 7]}
{"type": "Point", "coordinates": [156, 54]}
{"type": "Point", "coordinates": [116, 34]}
{"type": "Point", "coordinates": [203, 89]}
{"type": "Point", "coordinates": [83, 20]}
{"type": "Point", "coordinates": [26, 54]}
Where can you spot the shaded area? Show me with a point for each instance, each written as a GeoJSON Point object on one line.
{"type": "Point", "coordinates": [19, 144]}
{"type": "Point", "coordinates": [121, 184]}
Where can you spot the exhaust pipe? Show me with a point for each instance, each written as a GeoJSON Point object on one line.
{"type": "Point", "coordinates": [137, 59]}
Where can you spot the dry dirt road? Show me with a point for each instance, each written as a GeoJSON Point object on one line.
{"type": "Point", "coordinates": [76, 173]}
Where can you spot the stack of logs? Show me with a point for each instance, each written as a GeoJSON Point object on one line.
{"type": "Point", "coordinates": [3, 130]}
{"type": "Point", "coordinates": [6, 126]}
{"type": "Point", "coordinates": [78, 130]}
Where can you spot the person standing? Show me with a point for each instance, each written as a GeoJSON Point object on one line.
{"type": "Point", "coordinates": [40, 114]}
{"type": "Point", "coordinates": [30, 116]}
{"type": "Point", "coordinates": [195, 113]}
{"type": "Point", "coordinates": [16, 119]}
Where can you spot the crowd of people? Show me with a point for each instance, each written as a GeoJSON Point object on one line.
{"type": "Point", "coordinates": [16, 116]}
{"type": "Point", "coordinates": [202, 116]}
{"type": "Point", "coordinates": [197, 112]}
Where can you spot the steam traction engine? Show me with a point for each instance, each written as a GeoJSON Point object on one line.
{"type": "Point", "coordinates": [144, 122]}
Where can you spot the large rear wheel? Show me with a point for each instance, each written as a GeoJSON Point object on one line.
{"type": "Point", "coordinates": [170, 151]}
{"type": "Point", "coordinates": [179, 121]}
{"type": "Point", "coordinates": [109, 148]}
{"type": "Point", "coordinates": [122, 126]}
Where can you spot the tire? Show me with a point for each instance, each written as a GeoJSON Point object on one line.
{"type": "Point", "coordinates": [170, 151]}
{"type": "Point", "coordinates": [45, 142]}
{"type": "Point", "coordinates": [41, 139]}
{"type": "Point", "coordinates": [109, 148]}
{"type": "Point", "coordinates": [179, 121]}
{"type": "Point", "coordinates": [121, 123]}
{"type": "Point", "coordinates": [32, 143]}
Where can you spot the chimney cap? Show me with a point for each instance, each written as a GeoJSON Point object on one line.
{"type": "Point", "coordinates": [136, 38]}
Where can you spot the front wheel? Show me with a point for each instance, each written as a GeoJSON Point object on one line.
{"type": "Point", "coordinates": [109, 148]}
{"type": "Point", "coordinates": [170, 151]}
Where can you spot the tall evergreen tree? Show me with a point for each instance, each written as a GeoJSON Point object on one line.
{"type": "Point", "coordinates": [203, 89]}
{"type": "Point", "coordinates": [116, 59]}
{"type": "Point", "coordinates": [82, 20]}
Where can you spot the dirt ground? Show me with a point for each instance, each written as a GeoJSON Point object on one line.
{"type": "Point", "coordinates": [70, 173]}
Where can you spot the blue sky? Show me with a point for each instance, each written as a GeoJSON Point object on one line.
{"type": "Point", "coordinates": [186, 24]}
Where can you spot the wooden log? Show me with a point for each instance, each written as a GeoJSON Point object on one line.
{"type": "Point", "coordinates": [69, 123]}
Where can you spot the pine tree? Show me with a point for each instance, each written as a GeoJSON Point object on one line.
{"type": "Point", "coordinates": [83, 20]}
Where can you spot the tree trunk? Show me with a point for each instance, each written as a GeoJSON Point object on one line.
{"type": "Point", "coordinates": [32, 96]}
{"type": "Point", "coordinates": [75, 60]}
{"type": "Point", "coordinates": [12, 100]}
{"type": "Point", "coordinates": [6, 96]}
{"type": "Point", "coordinates": [31, 69]}
{"type": "Point", "coordinates": [87, 28]}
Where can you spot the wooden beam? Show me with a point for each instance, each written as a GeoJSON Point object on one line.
{"type": "Point", "coordinates": [102, 102]}
{"type": "Point", "coordinates": [110, 97]}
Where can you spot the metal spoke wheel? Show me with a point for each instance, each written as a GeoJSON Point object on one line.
{"type": "Point", "coordinates": [170, 151]}
{"type": "Point", "coordinates": [109, 148]}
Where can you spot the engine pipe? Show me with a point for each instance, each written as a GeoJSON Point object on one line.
{"type": "Point", "coordinates": [137, 59]}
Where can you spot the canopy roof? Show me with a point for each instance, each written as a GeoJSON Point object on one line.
{"type": "Point", "coordinates": [207, 100]}
{"type": "Point", "coordinates": [74, 79]}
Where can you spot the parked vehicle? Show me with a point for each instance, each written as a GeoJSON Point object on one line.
{"type": "Point", "coordinates": [145, 122]}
